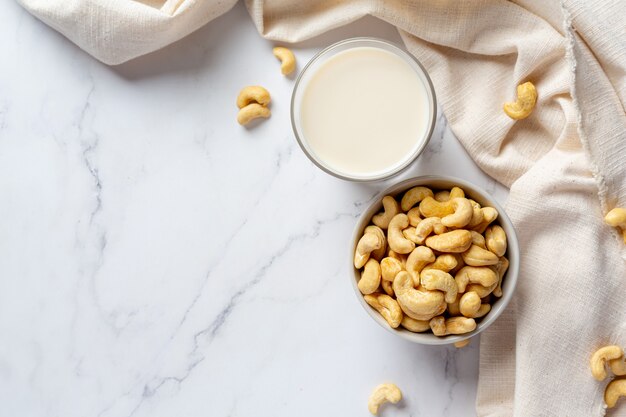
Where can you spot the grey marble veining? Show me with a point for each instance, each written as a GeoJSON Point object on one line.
{"type": "Point", "coordinates": [160, 260]}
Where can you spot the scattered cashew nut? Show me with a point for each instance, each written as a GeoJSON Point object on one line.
{"type": "Point", "coordinates": [287, 59]}
{"type": "Point", "coordinates": [456, 241]}
{"type": "Point", "coordinates": [253, 94]}
{"type": "Point", "coordinates": [387, 307]}
{"type": "Point", "coordinates": [396, 240]}
{"type": "Point", "coordinates": [370, 277]}
{"type": "Point", "coordinates": [525, 103]}
{"type": "Point", "coordinates": [462, 343]}
{"type": "Point", "coordinates": [617, 218]}
{"type": "Point", "coordinates": [252, 111]}
{"type": "Point", "coordinates": [601, 357]}
{"type": "Point", "coordinates": [615, 390]}
{"type": "Point", "coordinates": [383, 393]}
{"type": "Point", "coordinates": [391, 208]}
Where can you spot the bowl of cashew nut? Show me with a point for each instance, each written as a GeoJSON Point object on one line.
{"type": "Point", "coordinates": [435, 260]}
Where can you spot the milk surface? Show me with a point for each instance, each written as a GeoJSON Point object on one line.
{"type": "Point", "coordinates": [364, 111]}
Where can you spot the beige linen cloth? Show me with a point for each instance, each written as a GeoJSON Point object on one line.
{"type": "Point", "coordinates": [565, 165]}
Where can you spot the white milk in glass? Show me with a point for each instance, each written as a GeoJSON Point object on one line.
{"type": "Point", "coordinates": [364, 111]}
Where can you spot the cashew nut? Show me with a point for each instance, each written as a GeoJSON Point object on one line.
{"type": "Point", "coordinates": [368, 243]}
{"type": "Point", "coordinates": [615, 390]}
{"type": "Point", "coordinates": [252, 111]}
{"type": "Point", "coordinates": [454, 325]}
{"type": "Point", "coordinates": [435, 279]}
{"type": "Point", "coordinates": [287, 59]}
{"type": "Point", "coordinates": [618, 366]}
{"type": "Point", "coordinates": [417, 260]}
{"type": "Point", "coordinates": [489, 215]}
{"type": "Point", "coordinates": [456, 241]}
{"type": "Point", "coordinates": [370, 277]}
{"type": "Point", "coordinates": [446, 263]}
{"type": "Point", "coordinates": [478, 240]}
{"type": "Point", "coordinates": [477, 256]}
{"type": "Point", "coordinates": [471, 305]}
{"type": "Point", "coordinates": [390, 209]}
{"type": "Point", "coordinates": [495, 238]}
{"type": "Point", "coordinates": [415, 326]}
{"type": "Point", "coordinates": [379, 253]}
{"type": "Point", "coordinates": [387, 307]}
{"type": "Point", "coordinates": [414, 216]}
{"type": "Point", "coordinates": [442, 196]}
{"type": "Point", "coordinates": [417, 304]}
{"type": "Point", "coordinates": [460, 325]}
{"type": "Point", "coordinates": [477, 215]}
{"type": "Point", "coordinates": [427, 226]}
{"type": "Point", "coordinates": [389, 268]}
{"type": "Point", "coordinates": [481, 290]}
{"type": "Point", "coordinates": [453, 308]}
{"type": "Point", "coordinates": [253, 94]}
{"type": "Point", "coordinates": [476, 275]}
{"type": "Point", "coordinates": [396, 240]}
{"type": "Point", "coordinates": [617, 218]}
{"type": "Point", "coordinates": [445, 195]}
{"type": "Point", "coordinates": [438, 325]}
{"type": "Point", "coordinates": [409, 233]}
{"type": "Point", "coordinates": [395, 255]}
{"type": "Point", "coordinates": [462, 343]}
{"type": "Point", "coordinates": [525, 103]}
{"type": "Point", "coordinates": [429, 207]}
{"type": "Point", "coordinates": [414, 196]}
{"type": "Point", "coordinates": [382, 394]}
{"type": "Point", "coordinates": [601, 357]}
{"type": "Point", "coordinates": [500, 269]}
{"type": "Point", "coordinates": [387, 287]}
{"type": "Point", "coordinates": [462, 215]}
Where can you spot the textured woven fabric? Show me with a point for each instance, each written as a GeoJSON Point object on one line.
{"type": "Point", "coordinates": [565, 165]}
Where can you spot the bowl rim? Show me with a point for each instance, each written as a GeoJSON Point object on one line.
{"type": "Point", "coordinates": [511, 276]}
{"type": "Point", "coordinates": [428, 84]}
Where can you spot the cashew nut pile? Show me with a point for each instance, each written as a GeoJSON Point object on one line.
{"type": "Point", "coordinates": [252, 102]}
{"type": "Point", "coordinates": [525, 103]}
{"type": "Point", "coordinates": [432, 261]}
{"type": "Point", "coordinates": [613, 356]}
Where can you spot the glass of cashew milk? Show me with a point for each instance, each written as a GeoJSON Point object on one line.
{"type": "Point", "coordinates": [363, 109]}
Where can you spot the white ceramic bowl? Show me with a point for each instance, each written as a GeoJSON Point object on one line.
{"type": "Point", "coordinates": [509, 281]}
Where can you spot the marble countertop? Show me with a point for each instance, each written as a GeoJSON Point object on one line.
{"type": "Point", "coordinates": [160, 260]}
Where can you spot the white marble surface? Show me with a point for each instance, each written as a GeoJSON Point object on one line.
{"type": "Point", "coordinates": [157, 259]}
